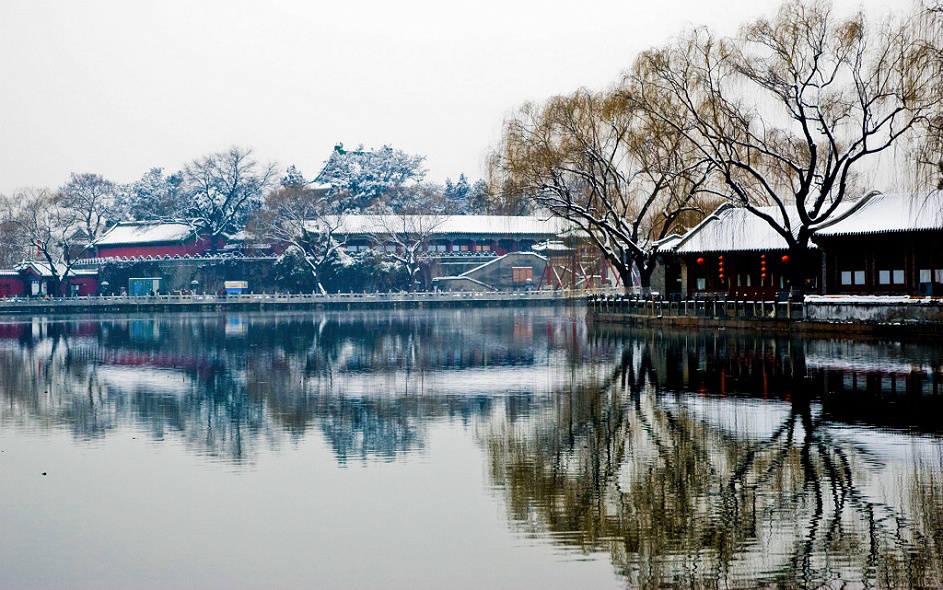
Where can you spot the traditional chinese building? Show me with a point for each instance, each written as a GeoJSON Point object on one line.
{"type": "Point", "coordinates": [887, 245]}
{"type": "Point", "coordinates": [137, 239]}
{"type": "Point", "coordinates": [449, 234]}
{"type": "Point", "coordinates": [734, 253]}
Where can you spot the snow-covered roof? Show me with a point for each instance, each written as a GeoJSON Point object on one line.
{"type": "Point", "coordinates": [668, 243]}
{"type": "Point", "coordinates": [490, 225]}
{"type": "Point", "coordinates": [737, 229]}
{"type": "Point", "coordinates": [146, 232]}
{"type": "Point", "coordinates": [41, 268]}
{"type": "Point", "coordinates": [551, 247]}
{"type": "Point", "coordinates": [890, 213]}
{"type": "Point", "coordinates": [731, 229]}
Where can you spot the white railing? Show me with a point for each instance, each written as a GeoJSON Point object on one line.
{"type": "Point", "coordinates": [210, 298]}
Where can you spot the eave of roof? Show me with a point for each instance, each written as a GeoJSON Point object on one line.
{"type": "Point", "coordinates": [451, 225]}
{"type": "Point", "coordinates": [134, 233]}
{"type": "Point", "coordinates": [892, 213]}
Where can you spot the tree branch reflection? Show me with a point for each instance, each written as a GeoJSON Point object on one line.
{"type": "Point", "coordinates": [703, 485]}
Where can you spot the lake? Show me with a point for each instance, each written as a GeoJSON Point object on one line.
{"type": "Point", "coordinates": [492, 448]}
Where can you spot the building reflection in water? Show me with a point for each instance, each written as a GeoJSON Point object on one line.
{"type": "Point", "coordinates": [229, 385]}
{"type": "Point", "coordinates": [693, 459]}
{"type": "Point", "coordinates": [723, 460]}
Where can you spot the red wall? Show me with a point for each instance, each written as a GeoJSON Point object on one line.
{"type": "Point", "coordinates": [199, 246]}
{"type": "Point", "coordinates": [11, 287]}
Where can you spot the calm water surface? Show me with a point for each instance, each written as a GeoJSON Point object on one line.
{"type": "Point", "coordinates": [462, 449]}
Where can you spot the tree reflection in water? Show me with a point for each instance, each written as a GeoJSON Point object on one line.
{"type": "Point", "coordinates": [230, 385]}
{"type": "Point", "coordinates": [707, 461]}
{"type": "Point", "coordinates": [693, 460]}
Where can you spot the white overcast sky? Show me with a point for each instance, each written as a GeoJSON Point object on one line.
{"type": "Point", "coordinates": [116, 87]}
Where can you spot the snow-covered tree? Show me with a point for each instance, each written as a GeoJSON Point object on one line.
{"type": "Point", "coordinates": [364, 179]}
{"type": "Point", "coordinates": [154, 196]}
{"type": "Point", "coordinates": [299, 219]}
{"type": "Point", "coordinates": [478, 197]}
{"type": "Point", "coordinates": [462, 198]}
{"type": "Point", "coordinates": [293, 178]}
{"type": "Point", "coordinates": [224, 189]}
{"type": "Point", "coordinates": [404, 238]}
{"type": "Point", "coordinates": [456, 195]}
{"type": "Point", "coordinates": [45, 223]}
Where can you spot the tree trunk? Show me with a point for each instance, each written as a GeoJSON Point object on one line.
{"type": "Point", "coordinates": [625, 275]}
{"type": "Point", "coordinates": [646, 268]}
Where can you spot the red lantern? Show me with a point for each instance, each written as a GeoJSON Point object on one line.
{"type": "Point", "coordinates": [701, 261]}
{"type": "Point", "coordinates": [762, 275]}
{"type": "Point", "coordinates": [786, 259]}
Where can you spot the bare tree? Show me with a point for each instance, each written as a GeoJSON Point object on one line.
{"type": "Point", "coordinates": [789, 110]}
{"type": "Point", "coordinates": [225, 189]}
{"type": "Point", "coordinates": [624, 178]}
{"type": "Point", "coordinates": [929, 149]}
{"type": "Point", "coordinates": [299, 218]}
{"type": "Point", "coordinates": [43, 220]}
{"type": "Point", "coordinates": [404, 239]}
{"type": "Point", "coordinates": [93, 199]}
{"type": "Point", "coordinates": [13, 247]}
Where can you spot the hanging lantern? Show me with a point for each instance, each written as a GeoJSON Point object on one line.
{"type": "Point", "coordinates": [701, 261]}
{"type": "Point", "coordinates": [785, 259]}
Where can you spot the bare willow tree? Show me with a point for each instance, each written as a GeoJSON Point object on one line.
{"type": "Point", "coordinates": [624, 178]}
{"type": "Point", "coordinates": [929, 148]}
{"type": "Point", "coordinates": [789, 111]}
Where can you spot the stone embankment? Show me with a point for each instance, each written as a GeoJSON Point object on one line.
{"type": "Point", "coordinates": [812, 315]}
{"type": "Point", "coordinates": [281, 301]}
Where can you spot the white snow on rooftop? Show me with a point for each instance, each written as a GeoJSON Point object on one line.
{"type": "Point", "coordinates": [146, 232]}
{"type": "Point", "coordinates": [43, 269]}
{"type": "Point", "coordinates": [731, 229]}
{"type": "Point", "coordinates": [737, 229]}
{"type": "Point", "coordinates": [511, 225]}
{"type": "Point", "coordinates": [668, 243]}
{"type": "Point", "coordinates": [891, 213]}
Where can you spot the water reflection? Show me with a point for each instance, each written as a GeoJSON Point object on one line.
{"type": "Point", "coordinates": [229, 385]}
{"type": "Point", "coordinates": [716, 460]}
{"type": "Point", "coordinates": [688, 459]}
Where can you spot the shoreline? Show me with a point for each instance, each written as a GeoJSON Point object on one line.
{"type": "Point", "coordinates": [277, 302]}
{"type": "Point", "coordinates": [772, 326]}
{"type": "Point", "coordinates": [888, 317]}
